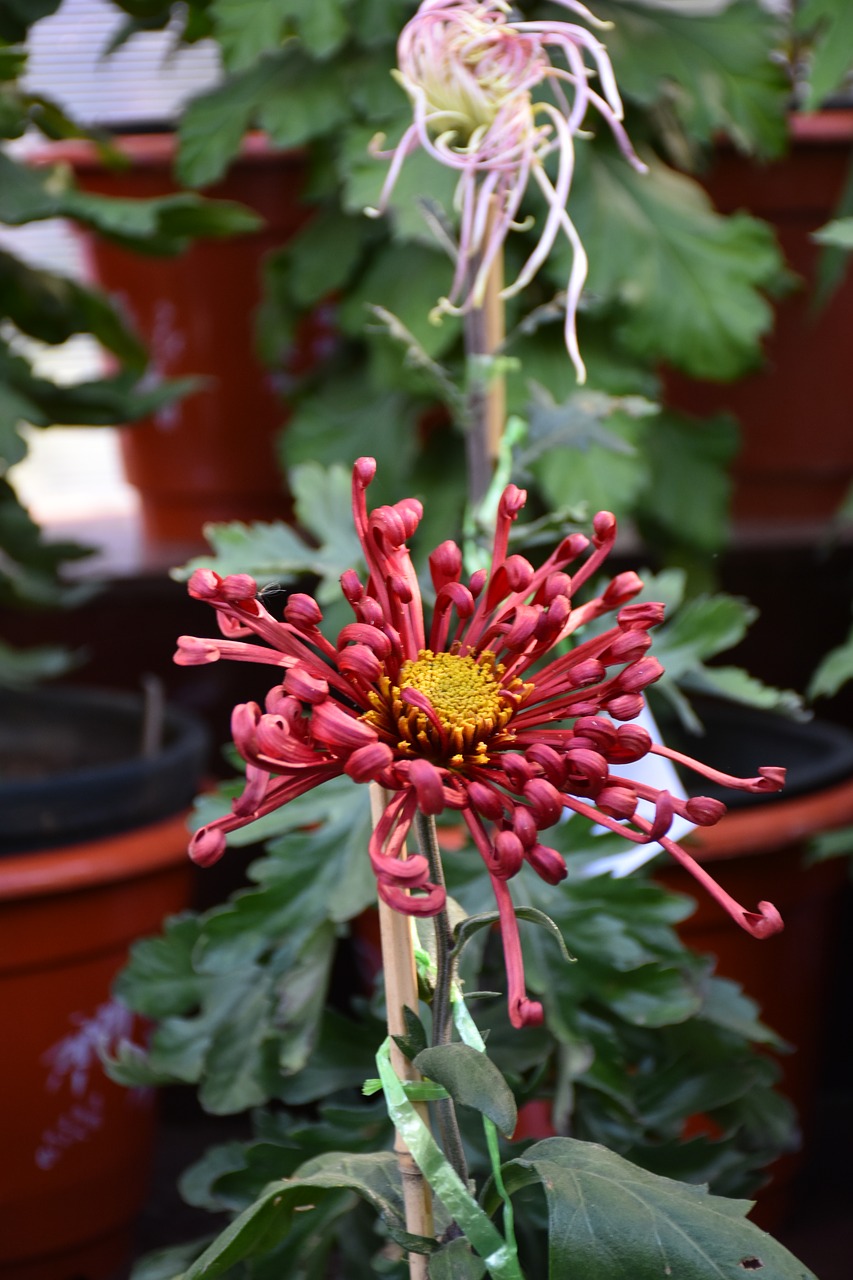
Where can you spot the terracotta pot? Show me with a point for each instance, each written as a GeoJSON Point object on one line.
{"type": "Point", "coordinates": [760, 851]}
{"type": "Point", "coordinates": [76, 1146]}
{"type": "Point", "coordinates": [796, 461]}
{"type": "Point", "coordinates": [212, 456]}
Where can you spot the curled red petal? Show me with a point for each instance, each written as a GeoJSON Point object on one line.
{"type": "Point", "coordinates": [336, 727]}
{"type": "Point", "coordinates": [366, 763]}
{"type": "Point", "coordinates": [207, 846]}
{"type": "Point", "coordinates": [195, 651]}
{"type": "Point", "coordinates": [428, 784]}
{"type": "Point", "coordinates": [306, 685]}
{"type": "Point", "coordinates": [548, 864]}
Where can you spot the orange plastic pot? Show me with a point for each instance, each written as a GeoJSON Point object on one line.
{"type": "Point", "coordinates": [212, 456]}
{"type": "Point", "coordinates": [76, 1147]}
{"type": "Point", "coordinates": [92, 856]}
{"type": "Point", "coordinates": [762, 853]}
{"type": "Point", "coordinates": [796, 461]}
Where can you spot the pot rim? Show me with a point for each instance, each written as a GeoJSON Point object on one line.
{"type": "Point", "coordinates": [130, 855]}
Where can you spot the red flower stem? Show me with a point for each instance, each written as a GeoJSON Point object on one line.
{"type": "Point", "coordinates": [486, 407]}
{"type": "Point", "coordinates": [442, 1010]}
{"type": "Point", "coordinates": [401, 992]}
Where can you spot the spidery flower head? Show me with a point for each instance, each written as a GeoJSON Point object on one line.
{"type": "Point", "coordinates": [473, 74]}
{"type": "Point", "coordinates": [475, 710]}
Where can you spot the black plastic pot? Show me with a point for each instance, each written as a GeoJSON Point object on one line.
{"type": "Point", "coordinates": [73, 766]}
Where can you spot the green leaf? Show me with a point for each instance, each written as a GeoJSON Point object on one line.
{"type": "Point", "coordinates": [407, 280]}
{"type": "Point", "coordinates": [692, 282]}
{"type": "Point", "coordinates": [827, 26]}
{"type": "Point", "coordinates": [321, 256]}
{"type": "Point", "coordinates": [213, 124]}
{"type": "Point", "coordinates": [169, 1263]}
{"type": "Point", "coordinates": [164, 225]}
{"type": "Point", "coordinates": [17, 16]}
{"type": "Point", "coordinates": [585, 450]}
{"type": "Point", "coordinates": [455, 1261]}
{"type": "Point", "coordinates": [159, 979]}
{"type": "Point", "coordinates": [472, 1080]}
{"type": "Point", "coordinates": [268, 1222]}
{"type": "Point", "coordinates": [700, 629]}
{"type": "Point", "coordinates": [610, 1220]}
{"type": "Point", "coordinates": [739, 686]}
{"type": "Point", "coordinates": [380, 422]}
{"type": "Point", "coordinates": [308, 101]}
{"type": "Point", "coordinates": [247, 29]}
{"type": "Point", "coordinates": [422, 180]}
{"type": "Point", "coordinates": [833, 671]}
{"type": "Point", "coordinates": [52, 308]}
{"type": "Point", "coordinates": [713, 71]}
{"type": "Point", "coordinates": [690, 463]}
{"type": "Point", "coordinates": [483, 1235]}
{"type": "Point", "coordinates": [21, 668]}
{"type": "Point", "coordinates": [839, 232]}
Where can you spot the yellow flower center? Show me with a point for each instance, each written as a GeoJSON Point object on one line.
{"type": "Point", "coordinates": [469, 706]}
{"type": "Point", "coordinates": [463, 692]}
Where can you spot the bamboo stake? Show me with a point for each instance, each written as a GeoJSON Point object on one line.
{"type": "Point", "coordinates": [484, 336]}
{"type": "Point", "coordinates": [396, 933]}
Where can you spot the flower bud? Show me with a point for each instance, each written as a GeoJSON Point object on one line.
{"type": "Point", "coordinates": [509, 855]}
{"type": "Point", "coordinates": [626, 706]}
{"type": "Point", "coordinates": [303, 611]}
{"type": "Point", "coordinates": [704, 810]}
{"type": "Point", "coordinates": [617, 802]}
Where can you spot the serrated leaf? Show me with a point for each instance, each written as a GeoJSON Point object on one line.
{"type": "Point", "coordinates": [472, 1080]}
{"type": "Point", "coordinates": [307, 100]}
{"type": "Point", "coordinates": [700, 629]}
{"type": "Point", "coordinates": [692, 282]}
{"type": "Point", "coordinates": [739, 686]}
{"type": "Point", "coordinates": [213, 123]}
{"type": "Point", "coordinates": [712, 70]}
{"type": "Point", "coordinates": [610, 1220]}
{"type": "Point", "coordinates": [159, 979]}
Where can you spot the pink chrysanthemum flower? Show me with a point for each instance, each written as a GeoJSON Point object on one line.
{"type": "Point", "coordinates": [467, 715]}
{"type": "Point", "coordinates": [472, 73]}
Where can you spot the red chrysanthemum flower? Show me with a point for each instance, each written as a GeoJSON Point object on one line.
{"type": "Point", "coordinates": [467, 716]}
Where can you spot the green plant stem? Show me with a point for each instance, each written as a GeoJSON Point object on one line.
{"type": "Point", "coordinates": [442, 1010]}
